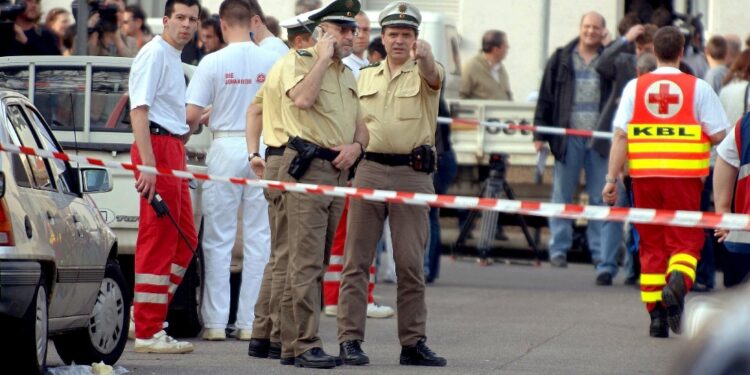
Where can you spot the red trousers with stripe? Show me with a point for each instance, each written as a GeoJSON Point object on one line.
{"type": "Point", "coordinates": [161, 255]}
{"type": "Point", "coordinates": [332, 279]}
{"type": "Point", "coordinates": [664, 249]}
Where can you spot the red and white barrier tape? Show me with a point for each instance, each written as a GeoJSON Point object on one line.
{"type": "Point", "coordinates": [531, 128]}
{"type": "Point", "coordinates": [567, 211]}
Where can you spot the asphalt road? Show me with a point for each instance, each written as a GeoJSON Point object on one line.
{"type": "Point", "coordinates": [500, 319]}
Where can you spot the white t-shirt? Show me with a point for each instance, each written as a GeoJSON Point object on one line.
{"type": "Point", "coordinates": [707, 107]}
{"type": "Point", "coordinates": [229, 79]}
{"type": "Point", "coordinates": [355, 63]}
{"type": "Point", "coordinates": [727, 149]}
{"type": "Point", "coordinates": [157, 80]}
{"type": "Point", "coordinates": [274, 44]}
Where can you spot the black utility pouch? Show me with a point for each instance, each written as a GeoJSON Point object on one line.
{"type": "Point", "coordinates": [301, 162]}
{"type": "Point", "coordinates": [423, 159]}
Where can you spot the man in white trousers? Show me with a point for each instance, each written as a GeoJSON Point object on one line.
{"type": "Point", "coordinates": [228, 80]}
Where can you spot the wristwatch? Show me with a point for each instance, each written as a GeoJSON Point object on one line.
{"type": "Point", "coordinates": [610, 180]}
{"type": "Point", "coordinates": [252, 155]}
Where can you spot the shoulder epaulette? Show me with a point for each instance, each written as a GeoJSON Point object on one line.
{"type": "Point", "coordinates": [304, 53]}
{"type": "Point", "coordinates": [370, 66]}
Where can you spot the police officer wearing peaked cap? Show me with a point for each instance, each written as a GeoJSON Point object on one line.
{"type": "Point", "coordinates": [399, 98]}
{"type": "Point", "coordinates": [322, 117]}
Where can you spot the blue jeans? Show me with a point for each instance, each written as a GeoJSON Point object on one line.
{"type": "Point", "coordinates": [577, 156]}
{"type": "Point", "coordinates": [446, 173]}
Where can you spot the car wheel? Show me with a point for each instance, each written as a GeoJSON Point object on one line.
{"type": "Point", "coordinates": [24, 341]}
{"type": "Point", "coordinates": [105, 336]}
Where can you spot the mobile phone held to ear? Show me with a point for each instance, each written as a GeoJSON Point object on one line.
{"type": "Point", "coordinates": [317, 33]}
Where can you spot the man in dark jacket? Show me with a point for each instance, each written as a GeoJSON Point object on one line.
{"type": "Point", "coordinates": [572, 96]}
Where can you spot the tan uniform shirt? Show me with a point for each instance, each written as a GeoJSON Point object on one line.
{"type": "Point", "coordinates": [331, 121]}
{"type": "Point", "coordinates": [400, 110]}
{"type": "Point", "coordinates": [269, 96]}
{"type": "Point", "coordinates": [477, 81]}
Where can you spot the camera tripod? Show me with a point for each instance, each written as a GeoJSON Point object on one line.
{"type": "Point", "coordinates": [493, 186]}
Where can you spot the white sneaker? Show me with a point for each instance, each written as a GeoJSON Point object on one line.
{"type": "Point", "coordinates": [162, 343]}
{"type": "Point", "coordinates": [379, 312]}
{"type": "Point", "coordinates": [331, 310]}
{"type": "Point", "coordinates": [244, 334]}
{"type": "Point", "coordinates": [214, 334]}
{"type": "Point", "coordinates": [131, 328]}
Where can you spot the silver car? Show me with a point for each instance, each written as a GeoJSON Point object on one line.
{"type": "Point", "coordinates": [59, 277]}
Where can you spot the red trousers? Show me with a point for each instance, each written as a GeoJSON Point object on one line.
{"type": "Point", "coordinates": [664, 249]}
{"type": "Point", "coordinates": [161, 255]}
{"type": "Point", "coordinates": [332, 279]}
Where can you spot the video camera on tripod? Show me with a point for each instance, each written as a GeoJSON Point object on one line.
{"type": "Point", "coordinates": [498, 164]}
{"type": "Point", "coordinates": [107, 15]}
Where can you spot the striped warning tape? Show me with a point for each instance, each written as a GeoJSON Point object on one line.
{"type": "Point", "coordinates": [567, 211]}
{"type": "Point", "coordinates": [524, 127]}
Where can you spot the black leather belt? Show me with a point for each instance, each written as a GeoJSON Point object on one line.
{"type": "Point", "coordinates": [393, 160]}
{"type": "Point", "coordinates": [275, 151]}
{"type": "Point", "coordinates": [157, 129]}
{"type": "Point", "coordinates": [299, 144]}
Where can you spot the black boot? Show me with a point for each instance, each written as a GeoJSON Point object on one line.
{"type": "Point", "coordinates": [315, 358]}
{"type": "Point", "coordinates": [420, 355]}
{"type": "Point", "coordinates": [274, 350]}
{"type": "Point", "coordinates": [286, 361]}
{"type": "Point", "coordinates": [658, 327]}
{"type": "Point", "coordinates": [673, 296]}
{"type": "Point", "coordinates": [258, 348]}
{"type": "Point", "coordinates": [351, 353]}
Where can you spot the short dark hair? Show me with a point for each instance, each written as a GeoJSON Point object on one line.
{"type": "Point", "coordinates": [235, 12]}
{"type": "Point", "coordinates": [138, 14]}
{"type": "Point", "coordinates": [492, 39]}
{"type": "Point", "coordinates": [256, 10]}
{"type": "Point", "coordinates": [295, 32]}
{"type": "Point", "coordinates": [649, 30]}
{"type": "Point", "coordinates": [629, 20]}
{"type": "Point", "coordinates": [717, 47]}
{"type": "Point", "coordinates": [668, 43]}
{"type": "Point", "coordinates": [214, 23]}
{"type": "Point", "coordinates": [377, 46]}
{"type": "Point", "coordinates": [169, 6]}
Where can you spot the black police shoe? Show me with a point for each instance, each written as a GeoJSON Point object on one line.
{"type": "Point", "coordinates": [351, 353]}
{"type": "Point", "coordinates": [315, 358]}
{"type": "Point", "coordinates": [673, 296]}
{"type": "Point", "coordinates": [274, 350]}
{"type": "Point", "coordinates": [258, 348]}
{"type": "Point", "coordinates": [604, 278]}
{"type": "Point", "coordinates": [287, 361]}
{"type": "Point", "coordinates": [659, 326]}
{"type": "Point", "coordinates": [420, 355]}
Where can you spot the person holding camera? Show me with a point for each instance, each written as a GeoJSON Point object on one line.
{"type": "Point", "coordinates": [21, 20]}
{"type": "Point", "coordinates": [327, 135]}
{"type": "Point", "coordinates": [105, 37]}
{"type": "Point", "coordinates": [399, 98]}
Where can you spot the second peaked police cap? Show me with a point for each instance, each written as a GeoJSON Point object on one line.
{"type": "Point", "coordinates": [339, 11]}
{"type": "Point", "coordinates": [400, 13]}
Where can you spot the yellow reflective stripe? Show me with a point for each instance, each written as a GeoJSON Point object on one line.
{"type": "Point", "coordinates": [684, 258]}
{"type": "Point", "coordinates": [683, 269]}
{"type": "Point", "coordinates": [635, 147]}
{"type": "Point", "coordinates": [651, 296]}
{"type": "Point", "coordinates": [653, 279]}
{"type": "Point", "coordinates": [668, 164]}
{"type": "Point", "coordinates": [665, 131]}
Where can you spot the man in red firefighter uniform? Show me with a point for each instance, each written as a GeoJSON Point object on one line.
{"type": "Point", "coordinates": [665, 126]}
{"type": "Point", "coordinates": [157, 102]}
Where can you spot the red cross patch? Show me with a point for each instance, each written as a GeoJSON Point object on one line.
{"type": "Point", "coordinates": [664, 99]}
{"type": "Point", "coordinates": [260, 78]}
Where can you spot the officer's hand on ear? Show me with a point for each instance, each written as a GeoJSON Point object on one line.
{"type": "Point", "coordinates": [609, 194]}
{"type": "Point", "coordinates": [258, 166]}
{"type": "Point", "coordinates": [325, 46]}
{"type": "Point", "coordinates": [348, 155]}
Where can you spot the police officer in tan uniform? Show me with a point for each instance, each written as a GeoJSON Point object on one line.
{"type": "Point", "coordinates": [266, 341]}
{"type": "Point", "coordinates": [399, 99]}
{"type": "Point", "coordinates": [321, 115]}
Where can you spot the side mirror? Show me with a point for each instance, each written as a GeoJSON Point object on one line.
{"type": "Point", "coordinates": [95, 180]}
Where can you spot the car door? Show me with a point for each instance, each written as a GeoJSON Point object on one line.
{"type": "Point", "coordinates": [86, 253]}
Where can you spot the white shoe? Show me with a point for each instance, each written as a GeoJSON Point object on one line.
{"type": "Point", "coordinates": [379, 312]}
{"type": "Point", "coordinates": [244, 334]}
{"type": "Point", "coordinates": [214, 334]}
{"type": "Point", "coordinates": [162, 343]}
{"type": "Point", "coordinates": [331, 310]}
{"type": "Point", "coordinates": [131, 328]}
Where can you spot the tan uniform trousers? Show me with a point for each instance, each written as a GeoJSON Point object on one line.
{"type": "Point", "coordinates": [266, 324]}
{"type": "Point", "coordinates": [409, 229]}
{"type": "Point", "coordinates": [312, 221]}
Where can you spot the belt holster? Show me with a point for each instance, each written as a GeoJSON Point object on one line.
{"type": "Point", "coordinates": [423, 159]}
{"type": "Point", "coordinates": [301, 162]}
